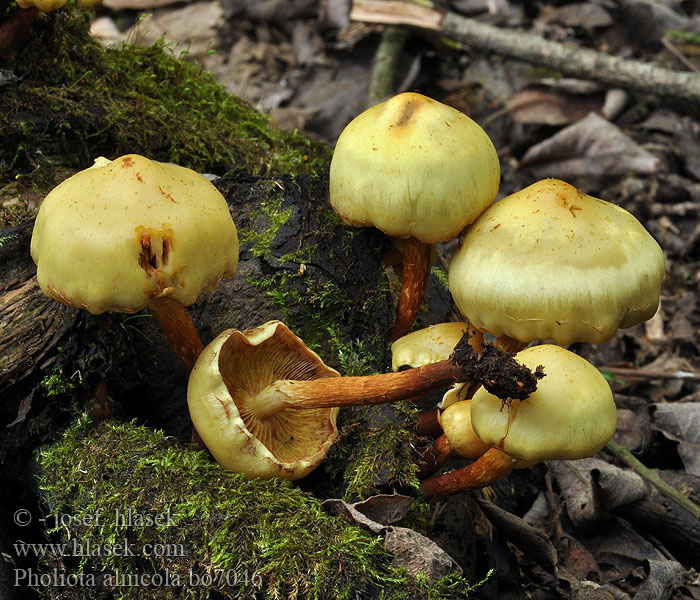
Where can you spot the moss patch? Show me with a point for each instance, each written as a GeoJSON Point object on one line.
{"type": "Point", "coordinates": [73, 100]}
{"type": "Point", "coordinates": [210, 533]}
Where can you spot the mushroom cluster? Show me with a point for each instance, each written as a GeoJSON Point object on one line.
{"type": "Point", "coordinates": [545, 264]}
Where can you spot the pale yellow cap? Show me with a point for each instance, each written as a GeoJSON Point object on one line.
{"type": "Point", "coordinates": [228, 374]}
{"type": "Point", "coordinates": [456, 423]}
{"type": "Point", "coordinates": [570, 415]}
{"type": "Point", "coordinates": [431, 344]}
{"type": "Point", "coordinates": [413, 167]}
{"type": "Point", "coordinates": [121, 233]}
{"type": "Point", "coordinates": [550, 262]}
{"type": "Point", "coordinates": [42, 5]}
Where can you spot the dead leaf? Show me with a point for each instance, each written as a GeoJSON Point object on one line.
{"type": "Point", "coordinates": [385, 508]}
{"type": "Point", "coordinates": [419, 554]}
{"type": "Point", "coordinates": [592, 146]}
{"type": "Point", "coordinates": [662, 577]}
{"type": "Point", "coordinates": [581, 14]}
{"type": "Point", "coordinates": [412, 551]}
{"type": "Point", "coordinates": [633, 430]}
{"type": "Point", "coordinates": [542, 105]}
{"type": "Point", "coordinates": [681, 422]}
{"type": "Point", "coordinates": [592, 488]}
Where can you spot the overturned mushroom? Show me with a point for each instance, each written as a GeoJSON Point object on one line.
{"type": "Point", "coordinates": [228, 375]}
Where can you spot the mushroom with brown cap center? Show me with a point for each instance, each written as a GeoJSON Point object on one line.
{"type": "Point", "coordinates": [570, 415]}
{"type": "Point", "coordinates": [418, 170]}
{"type": "Point", "coordinates": [133, 233]}
{"type": "Point", "coordinates": [552, 263]}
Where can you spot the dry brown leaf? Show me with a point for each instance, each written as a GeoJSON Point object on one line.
{"type": "Point", "coordinates": [543, 105]}
{"type": "Point", "coordinates": [419, 554]}
{"type": "Point", "coordinates": [681, 421]}
{"type": "Point", "coordinates": [592, 146]}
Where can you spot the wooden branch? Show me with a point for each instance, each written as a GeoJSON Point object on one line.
{"type": "Point", "coordinates": [569, 60]}
{"type": "Point", "coordinates": [385, 65]}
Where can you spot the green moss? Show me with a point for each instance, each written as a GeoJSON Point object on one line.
{"type": "Point", "coordinates": [441, 276]}
{"type": "Point", "coordinates": [218, 534]}
{"type": "Point", "coordinates": [376, 452]}
{"type": "Point", "coordinates": [56, 383]}
{"type": "Point", "coordinates": [270, 216]}
{"type": "Point", "coordinates": [77, 100]}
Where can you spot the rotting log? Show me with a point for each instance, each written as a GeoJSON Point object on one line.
{"type": "Point", "coordinates": [298, 262]}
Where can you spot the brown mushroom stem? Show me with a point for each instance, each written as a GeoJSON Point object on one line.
{"type": "Point", "coordinates": [416, 267]}
{"type": "Point", "coordinates": [509, 344]}
{"type": "Point", "coordinates": [435, 457]}
{"type": "Point", "coordinates": [177, 325]}
{"type": "Point", "coordinates": [428, 424]}
{"type": "Point", "coordinates": [353, 391]}
{"type": "Point", "coordinates": [484, 471]}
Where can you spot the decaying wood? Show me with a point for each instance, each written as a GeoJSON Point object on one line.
{"type": "Point", "coordinates": [30, 325]}
{"type": "Point", "coordinates": [569, 60]}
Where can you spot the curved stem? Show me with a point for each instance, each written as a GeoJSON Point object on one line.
{"type": "Point", "coordinates": [416, 267]}
{"type": "Point", "coordinates": [178, 328]}
{"type": "Point", "coordinates": [353, 391]}
{"type": "Point", "coordinates": [484, 471]}
{"type": "Point", "coordinates": [428, 424]}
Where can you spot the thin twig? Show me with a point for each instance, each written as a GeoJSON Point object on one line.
{"type": "Point", "coordinates": [570, 60]}
{"type": "Point", "coordinates": [385, 65]}
{"type": "Point", "coordinates": [666, 489]}
{"type": "Point", "coordinates": [644, 374]}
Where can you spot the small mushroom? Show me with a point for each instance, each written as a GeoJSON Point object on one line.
{"type": "Point", "coordinates": [570, 415]}
{"type": "Point", "coordinates": [228, 375]}
{"type": "Point", "coordinates": [133, 233]}
{"type": "Point", "coordinates": [428, 345]}
{"type": "Point", "coordinates": [41, 5]}
{"type": "Point", "coordinates": [460, 437]}
{"type": "Point", "coordinates": [418, 170]}
{"type": "Point", "coordinates": [552, 263]}
{"type": "Point", "coordinates": [431, 344]}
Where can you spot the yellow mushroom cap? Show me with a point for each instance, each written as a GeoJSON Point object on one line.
{"type": "Point", "coordinates": [123, 232]}
{"type": "Point", "coordinates": [413, 167]}
{"type": "Point", "coordinates": [42, 5]}
{"type": "Point", "coordinates": [456, 423]}
{"type": "Point", "coordinates": [570, 415]}
{"type": "Point", "coordinates": [431, 344]}
{"type": "Point", "coordinates": [550, 262]}
{"type": "Point", "coordinates": [229, 372]}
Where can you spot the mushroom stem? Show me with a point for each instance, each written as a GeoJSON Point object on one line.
{"type": "Point", "coordinates": [353, 391]}
{"type": "Point", "coordinates": [509, 344]}
{"type": "Point", "coordinates": [428, 424]}
{"type": "Point", "coordinates": [416, 267]}
{"type": "Point", "coordinates": [435, 457]}
{"type": "Point", "coordinates": [484, 471]}
{"type": "Point", "coordinates": [178, 327]}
